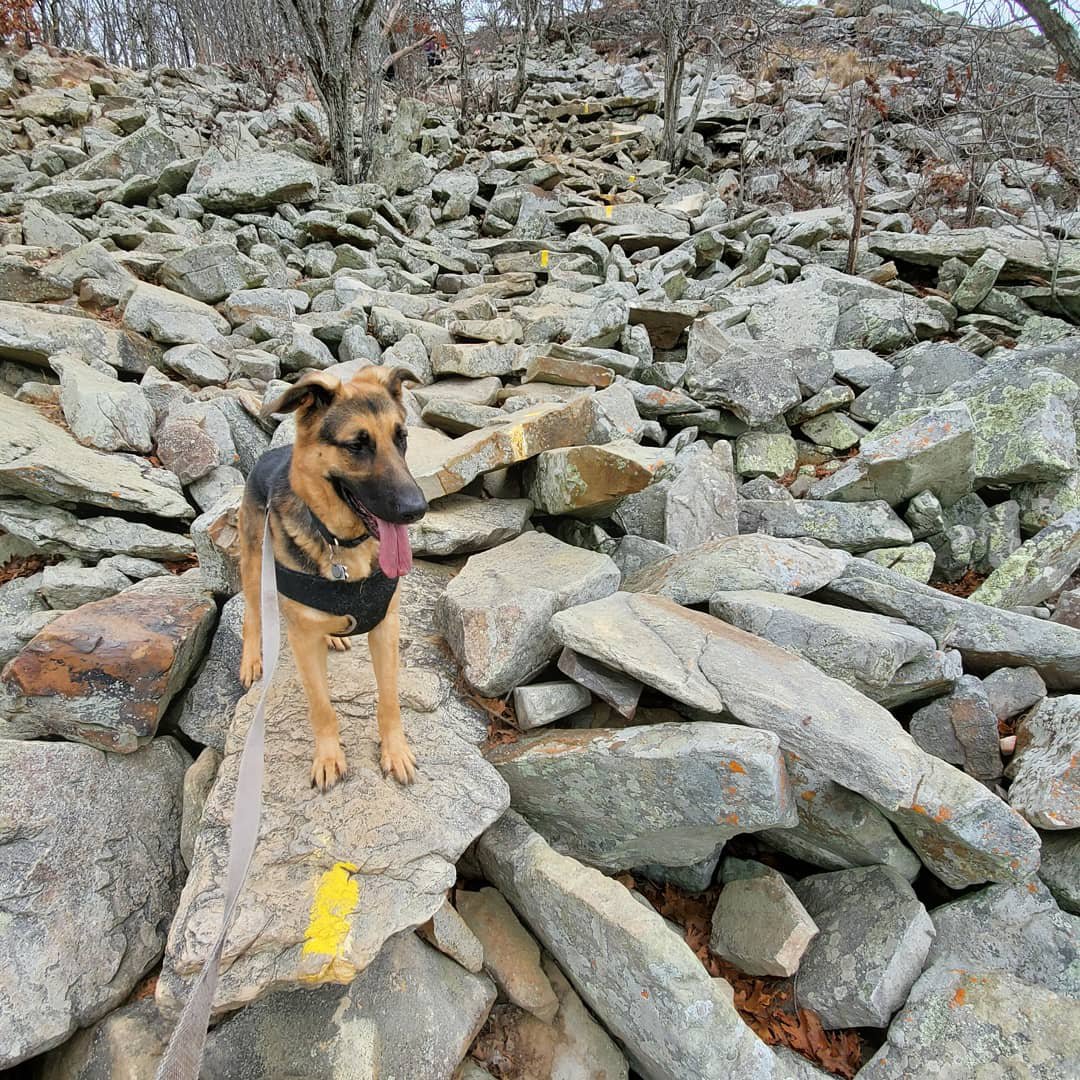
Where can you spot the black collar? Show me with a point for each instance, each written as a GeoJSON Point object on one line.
{"type": "Point", "coordinates": [331, 539]}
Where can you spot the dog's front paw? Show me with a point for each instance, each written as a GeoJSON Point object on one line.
{"type": "Point", "coordinates": [338, 644]}
{"type": "Point", "coordinates": [250, 669]}
{"type": "Point", "coordinates": [328, 768]}
{"type": "Point", "coordinates": [398, 759]}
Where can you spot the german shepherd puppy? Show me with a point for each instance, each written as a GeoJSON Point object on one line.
{"type": "Point", "coordinates": [340, 501]}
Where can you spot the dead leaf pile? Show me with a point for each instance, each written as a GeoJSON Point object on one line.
{"type": "Point", "coordinates": [766, 1004]}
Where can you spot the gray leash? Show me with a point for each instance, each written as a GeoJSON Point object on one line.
{"type": "Point", "coordinates": [183, 1058]}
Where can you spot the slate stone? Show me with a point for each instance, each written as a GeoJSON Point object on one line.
{"type": "Point", "coordinates": [1045, 786]}
{"type": "Point", "coordinates": [759, 924]}
{"type": "Point", "coordinates": [874, 936]}
{"type": "Point", "coordinates": [511, 955]}
{"type": "Point", "coordinates": [1060, 868]}
{"type": "Point", "coordinates": [52, 530]}
{"type": "Point", "coordinates": [462, 525]}
{"type": "Point", "coordinates": [701, 502]}
{"type": "Point", "coordinates": [101, 411]}
{"type": "Point", "coordinates": [838, 829]}
{"type": "Point", "coordinates": [543, 703]}
{"type": "Point", "coordinates": [882, 658]}
{"type": "Point", "coordinates": [495, 614]}
{"type": "Point", "coordinates": [987, 638]}
{"type": "Point", "coordinates": [703, 783]}
{"type": "Point", "coordinates": [961, 728]}
{"type": "Point", "coordinates": [105, 673]}
{"type": "Point", "coordinates": [644, 984]}
{"type": "Point", "coordinates": [77, 940]}
{"type": "Point", "coordinates": [959, 829]}
{"type": "Point", "coordinates": [755, 561]}
{"type": "Point", "coordinates": [412, 1012]}
{"type": "Point", "coordinates": [854, 527]}
{"type": "Point", "coordinates": [611, 686]}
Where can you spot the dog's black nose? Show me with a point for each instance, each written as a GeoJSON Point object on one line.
{"type": "Point", "coordinates": [412, 506]}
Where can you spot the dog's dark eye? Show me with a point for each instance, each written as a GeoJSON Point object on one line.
{"type": "Point", "coordinates": [363, 442]}
{"type": "Point", "coordinates": [401, 437]}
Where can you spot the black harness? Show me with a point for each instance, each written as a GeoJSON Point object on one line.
{"type": "Point", "coordinates": [365, 602]}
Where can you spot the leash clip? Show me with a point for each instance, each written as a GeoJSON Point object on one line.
{"type": "Point", "coordinates": [338, 571]}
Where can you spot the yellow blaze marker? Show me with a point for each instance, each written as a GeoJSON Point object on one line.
{"type": "Point", "coordinates": [608, 211]}
{"type": "Point", "coordinates": [544, 258]}
{"type": "Point", "coordinates": [632, 178]}
{"type": "Point", "coordinates": [335, 900]}
{"type": "Point", "coordinates": [586, 108]}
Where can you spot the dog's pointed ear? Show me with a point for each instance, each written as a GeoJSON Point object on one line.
{"type": "Point", "coordinates": [393, 378]}
{"type": "Point", "coordinates": [315, 391]}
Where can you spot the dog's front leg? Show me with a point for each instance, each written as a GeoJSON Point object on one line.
{"type": "Point", "coordinates": [309, 650]}
{"type": "Point", "coordinates": [396, 755]}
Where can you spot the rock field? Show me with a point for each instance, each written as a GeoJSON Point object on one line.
{"type": "Point", "coordinates": [744, 576]}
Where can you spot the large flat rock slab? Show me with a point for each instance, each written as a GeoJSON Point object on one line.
{"type": "Point", "coordinates": [412, 1013]}
{"type": "Point", "coordinates": [752, 561]}
{"type": "Point", "coordinates": [987, 637]}
{"type": "Point", "coordinates": [41, 461]}
{"type": "Point", "coordinates": [105, 672]}
{"type": "Point", "coordinates": [963, 832]}
{"type": "Point", "coordinates": [90, 872]}
{"type": "Point", "coordinates": [32, 335]}
{"type": "Point", "coordinates": [379, 855]}
{"type": "Point", "coordinates": [644, 982]}
{"type": "Point", "coordinates": [664, 794]}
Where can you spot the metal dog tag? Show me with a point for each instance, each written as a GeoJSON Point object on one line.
{"type": "Point", "coordinates": [339, 572]}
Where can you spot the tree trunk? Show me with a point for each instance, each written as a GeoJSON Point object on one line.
{"type": "Point", "coordinates": [674, 70]}
{"type": "Point", "coordinates": [337, 100]}
{"type": "Point", "coordinates": [1056, 29]}
{"type": "Point", "coordinates": [683, 143]}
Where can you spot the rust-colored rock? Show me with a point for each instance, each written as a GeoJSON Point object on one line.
{"type": "Point", "coordinates": [105, 673]}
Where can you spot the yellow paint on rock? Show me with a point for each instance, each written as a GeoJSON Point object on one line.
{"type": "Point", "coordinates": [335, 900]}
{"type": "Point", "coordinates": [544, 256]}
{"type": "Point", "coordinates": [609, 210]}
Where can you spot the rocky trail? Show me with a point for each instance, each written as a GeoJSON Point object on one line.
{"type": "Point", "coordinates": [741, 655]}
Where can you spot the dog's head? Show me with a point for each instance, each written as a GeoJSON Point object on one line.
{"type": "Point", "coordinates": [350, 445]}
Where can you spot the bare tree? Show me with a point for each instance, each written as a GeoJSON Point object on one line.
{"type": "Point", "coordinates": [1057, 30]}
{"type": "Point", "coordinates": [330, 35]}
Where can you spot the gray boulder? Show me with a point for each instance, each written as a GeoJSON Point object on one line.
{"type": "Point", "coordinates": [76, 939]}
{"type": "Point", "coordinates": [960, 830]}
{"type": "Point", "coordinates": [253, 182]}
{"type": "Point", "coordinates": [495, 614]}
{"type": "Point", "coordinates": [314, 841]}
{"type": "Point", "coordinates": [210, 272]}
{"type": "Point", "coordinates": [703, 783]}
{"type": "Point", "coordinates": [1014, 928]}
{"type": "Point", "coordinates": [413, 1012]}
{"type": "Point", "coordinates": [641, 980]}
{"type": "Point", "coordinates": [101, 411]}
{"type": "Point", "coordinates": [1045, 786]}
{"type": "Point", "coordinates": [993, 1021]}
{"type": "Point", "coordinates": [873, 941]}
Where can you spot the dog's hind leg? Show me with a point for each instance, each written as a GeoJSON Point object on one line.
{"type": "Point", "coordinates": [250, 527]}
{"type": "Point", "coordinates": [396, 755]}
{"type": "Point", "coordinates": [309, 650]}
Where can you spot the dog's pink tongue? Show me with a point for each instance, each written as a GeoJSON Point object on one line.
{"type": "Point", "coordinates": [395, 552]}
